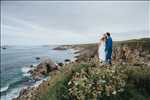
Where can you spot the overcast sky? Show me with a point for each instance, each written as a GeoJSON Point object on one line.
{"type": "Point", "coordinates": [64, 22]}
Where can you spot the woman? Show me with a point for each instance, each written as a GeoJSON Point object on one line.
{"type": "Point", "coordinates": [101, 49]}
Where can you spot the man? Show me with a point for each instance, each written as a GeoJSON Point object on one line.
{"type": "Point", "coordinates": [108, 48]}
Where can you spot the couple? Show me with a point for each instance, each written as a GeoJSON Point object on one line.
{"type": "Point", "coordinates": [105, 48]}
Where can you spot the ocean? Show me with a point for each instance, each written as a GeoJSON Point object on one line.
{"type": "Point", "coordinates": [16, 62]}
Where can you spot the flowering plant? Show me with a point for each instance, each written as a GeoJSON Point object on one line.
{"type": "Point", "coordinates": [98, 81]}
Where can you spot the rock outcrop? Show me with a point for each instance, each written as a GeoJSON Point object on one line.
{"type": "Point", "coordinates": [132, 52]}
{"type": "Point", "coordinates": [43, 69]}
{"type": "Point", "coordinates": [60, 48]}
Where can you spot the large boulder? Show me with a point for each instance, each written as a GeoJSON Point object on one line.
{"type": "Point", "coordinates": [43, 69]}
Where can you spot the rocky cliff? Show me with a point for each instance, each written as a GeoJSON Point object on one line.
{"type": "Point", "coordinates": [131, 51]}
{"type": "Point", "coordinates": [133, 55]}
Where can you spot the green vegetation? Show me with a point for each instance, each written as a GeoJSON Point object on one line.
{"type": "Point", "coordinates": [92, 81]}
{"type": "Point", "coordinates": [86, 79]}
{"type": "Point", "coordinates": [58, 89]}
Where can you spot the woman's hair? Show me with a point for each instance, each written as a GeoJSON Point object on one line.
{"type": "Point", "coordinates": [103, 38]}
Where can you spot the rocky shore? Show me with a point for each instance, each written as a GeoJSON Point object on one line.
{"type": "Point", "coordinates": [132, 52]}
{"type": "Point", "coordinates": [43, 69]}
{"type": "Point", "coordinates": [38, 73]}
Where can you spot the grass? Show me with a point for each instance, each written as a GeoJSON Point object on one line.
{"type": "Point", "coordinates": [57, 89]}
{"type": "Point", "coordinates": [137, 85]}
{"type": "Point", "coordinates": [135, 88]}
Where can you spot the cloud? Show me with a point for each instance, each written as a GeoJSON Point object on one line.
{"type": "Point", "coordinates": [44, 22]}
{"type": "Point", "coordinates": [36, 34]}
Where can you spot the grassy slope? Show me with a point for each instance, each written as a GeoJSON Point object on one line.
{"type": "Point", "coordinates": [59, 82]}
{"type": "Point", "coordinates": [136, 91]}
{"type": "Point", "coordinates": [138, 82]}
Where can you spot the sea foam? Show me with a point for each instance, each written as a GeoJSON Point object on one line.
{"type": "Point", "coordinates": [3, 89]}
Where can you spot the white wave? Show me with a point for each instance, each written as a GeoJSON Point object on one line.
{"type": "Point", "coordinates": [26, 74]}
{"type": "Point", "coordinates": [11, 94]}
{"type": "Point", "coordinates": [26, 69]}
{"type": "Point", "coordinates": [34, 65]}
{"type": "Point", "coordinates": [15, 92]}
{"type": "Point", "coordinates": [39, 82]}
{"type": "Point", "coordinates": [4, 88]}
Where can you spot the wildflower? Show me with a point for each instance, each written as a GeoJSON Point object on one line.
{"type": "Point", "coordinates": [121, 90]}
{"type": "Point", "coordinates": [114, 92]}
{"type": "Point", "coordinates": [102, 81]}
{"type": "Point", "coordinates": [76, 83]}
{"type": "Point", "coordinates": [113, 71]}
{"type": "Point", "coordinates": [69, 82]}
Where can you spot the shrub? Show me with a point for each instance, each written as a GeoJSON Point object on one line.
{"type": "Point", "coordinates": [95, 82]}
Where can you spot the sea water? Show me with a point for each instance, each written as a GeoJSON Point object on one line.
{"type": "Point", "coordinates": [16, 61]}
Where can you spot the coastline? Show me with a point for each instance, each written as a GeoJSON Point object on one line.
{"type": "Point", "coordinates": [43, 80]}
{"type": "Point", "coordinates": [84, 53]}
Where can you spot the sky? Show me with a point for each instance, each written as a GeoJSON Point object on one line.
{"type": "Point", "coordinates": [72, 22]}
